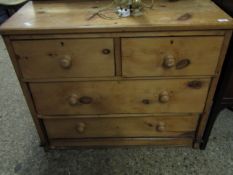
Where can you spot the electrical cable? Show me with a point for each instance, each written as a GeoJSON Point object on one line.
{"type": "Point", "coordinates": [100, 13]}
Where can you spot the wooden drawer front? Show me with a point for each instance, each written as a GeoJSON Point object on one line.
{"type": "Point", "coordinates": [170, 56]}
{"type": "Point", "coordinates": [122, 127]}
{"type": "Point", "coordinates": [65, 58]}
{"type": "Point", "coordinates": [106, 97]}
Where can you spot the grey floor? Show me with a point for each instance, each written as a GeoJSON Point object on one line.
{"type": "Point", "coordinates": [20, 152]}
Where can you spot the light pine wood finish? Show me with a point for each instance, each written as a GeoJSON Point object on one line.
{"type": "Point", "coordinates": [173, 126]}
{"type": "Point", "coordinates": [113, 115]}
{"type": "Point", "coordinates": [66, 58]}
{"type": "Point", "coordinates": [115, 82]}
{"type": "Point", "coordinates": [116, 78]}
{"type": "Point", "coordinates": [142, 96]}
{"type": "Point", "coordinates": [119, 34]}
{"type": "Point", "coordinates": [27, 94]}
{"type": "Point", "coordinates": [118, 61]}
{"type": "Point", "coordinates": [101, 142]}
{"type": "Point", "coordinates": [214, 82]}
{"type": "Point", "coordinates": [72, 16]}
{"type": "Point", "coordinates": [170, 56]}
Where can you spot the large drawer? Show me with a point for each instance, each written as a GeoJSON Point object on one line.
{"type": "Point", "coordinates": [170, 56]}
{"type": "Point", "coordinates": [151, 126]}
{"type": "Point", "coordinates": [61, 58]}
{"type": "Point", "coordinates": [131, 96]}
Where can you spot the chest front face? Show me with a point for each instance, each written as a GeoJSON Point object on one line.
{"type": "Point", "coordinates": [131, 81]}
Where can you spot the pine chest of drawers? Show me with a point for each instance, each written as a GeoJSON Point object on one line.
{"type": "Point", "coordinates": [145, 80]}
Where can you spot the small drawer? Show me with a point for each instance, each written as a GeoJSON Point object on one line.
{"type": "Point", "coordinates": [151, 126]}
{"type": "Point", "coordinates": [121, 97]}
{"type": "Point", "coordinates": [170, 56]}
{"type": "Point", "coordinates": [62, 58]}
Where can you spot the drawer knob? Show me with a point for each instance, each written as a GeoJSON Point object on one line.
{"type": "Point", "coordinates": [73, 100]}
{"type": "Point", "coordinates": [85, 100]}
{"type": "Point", "coordinates": [66, 62]}
{"type": "Point", "coordinates": [160, 126]}
{"type": "Point", "coordinates": [169, 61]}
{"type": "Point", "coordinates": [164, 97]}
{"type": "Point", "coordinates": [106, 51]}
{"type": "Point", "coordinates": [80, 127]}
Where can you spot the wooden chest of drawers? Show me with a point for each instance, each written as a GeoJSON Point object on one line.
{"type": "Point", "coordinates": [129, 81]}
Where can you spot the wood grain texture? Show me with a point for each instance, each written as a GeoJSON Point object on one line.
{"type": "Point", "coordinates": [213, 86]}
{"type": "Point", "coordinates": [74, 143]}
{"type": "Point", "coordinates": [38, 122]}
{"type": "Point", "coordinates": [118, 57]}
{"type": "Point", "coordinates": [72, 16]}
{"type": "Point", "coordinates": [172, 126]}
{"type": "Point", "coordinates": [107, 97]}
{"type": "Point", "coordinates": [113, 115]}
{"type": "Point", "coordinates": [87, 57]}
{"type": "Point", "coordinates": [116, 78]}
{"type": "Point", "coordinates": [147, 56]}
{"type": "Point", "coordinates": [77, 83]}
{"type": "Point", "coordinates": [119, 34]}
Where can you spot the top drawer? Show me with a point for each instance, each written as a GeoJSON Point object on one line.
{"type": "Point", "coordinates": [65, 58]}
{"type": "Point", "coordinates": [170, 56]}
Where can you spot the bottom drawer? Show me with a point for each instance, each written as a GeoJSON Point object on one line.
{"type": "Point", "coordinates": [103, 127]}
{"type": "Point", "coordinates": [162, 141]}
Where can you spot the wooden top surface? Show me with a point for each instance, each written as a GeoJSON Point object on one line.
{"type": "Point", "coordinates": [72, 16]}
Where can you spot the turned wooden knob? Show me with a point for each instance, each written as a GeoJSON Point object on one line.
{"type": "Point", "coordinates": [160, 126]}
{"type": "Point", "coordinates": [66, 62]}
{"type": "Point", "coordinates": [169, 61]}
{"type": "Point", "coordinates": [85, 100]}
{"type": "Point", "coordinates": [73, 99]}
{"type": "Point", "coordinates": [80, 127]}
{"type": "Point", "coordinates": [164, 97]}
